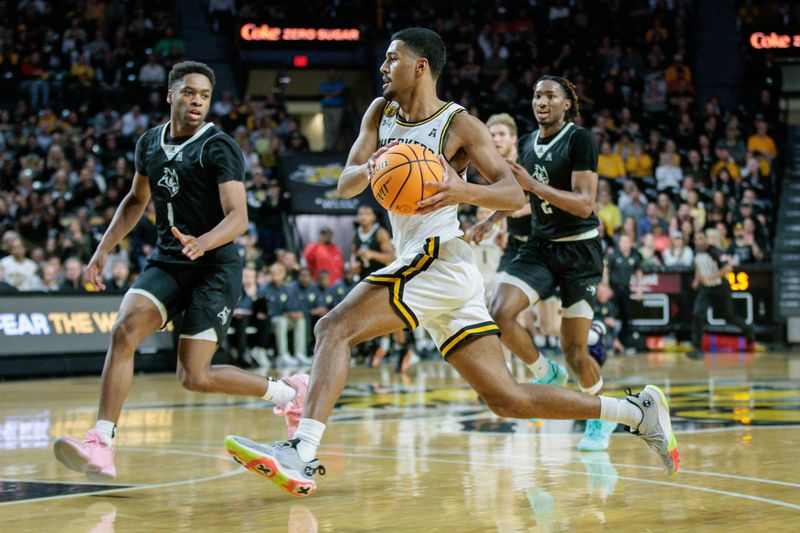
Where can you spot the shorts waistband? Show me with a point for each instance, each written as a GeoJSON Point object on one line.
{"type": "Point", "coordinates": [591, 234]}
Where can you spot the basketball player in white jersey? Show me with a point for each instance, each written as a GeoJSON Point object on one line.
{"type": "Point", "coordinates": [434, 281]}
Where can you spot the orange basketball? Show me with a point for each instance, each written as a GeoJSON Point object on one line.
{"type": "Point", "coordinates": [400, 175]}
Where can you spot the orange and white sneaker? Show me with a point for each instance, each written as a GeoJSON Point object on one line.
{"type": "Point", "coordinates": [293, 411]}
{"type": "Point", "coordinates": [656, 428]}
{"type": "Point", "coordinates": [278, 461]}
{"type": "Point", "coordinates": [92, 456]}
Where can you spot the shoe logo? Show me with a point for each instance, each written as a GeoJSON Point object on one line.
{"type": "Point", "coordinates": [267, 471]}
{"type": "Point", "coordinates": [170, 181]}
{"type": "Point", "coordinates": [592, 289]}
{"type": "Point", "coordinates": [223, 315]}
{"type": "Point", "coordinates": [303, 490]}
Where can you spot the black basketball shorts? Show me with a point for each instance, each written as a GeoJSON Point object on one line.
{"type": "Point", "coordinates": [206, 294]}
{"type": "Point", "coordinates": [573, 267]}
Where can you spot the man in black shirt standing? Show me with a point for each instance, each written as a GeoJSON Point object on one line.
{"type": "Point", "coordinates": [558, 169]}
{"type": "Point", "coordinates": [194, 174]}
{"type": "Point", "coordinates": [711, 269]}
{"type": "Point", "coordinates": [622, 266]}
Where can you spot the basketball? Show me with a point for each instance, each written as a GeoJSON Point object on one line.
{"type": "Point", "coordinates": [400, 175]}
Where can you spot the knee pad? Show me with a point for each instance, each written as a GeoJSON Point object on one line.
{"type": "Point", "coordinates": [580, 309]}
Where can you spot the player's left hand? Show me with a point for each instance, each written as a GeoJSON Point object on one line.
{"type": "Point", "coordinates": [193, 247]}
{"type": "Point", "coordinates": [524, 179]}
{"type": "Point", "coordinates": [452, 190]}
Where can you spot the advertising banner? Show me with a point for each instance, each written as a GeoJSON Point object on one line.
{"type": "Point", "coordinates": [311, 180]}
{"type": "Point", "coordinates": [64, 324]}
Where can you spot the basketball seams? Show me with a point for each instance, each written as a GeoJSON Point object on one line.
{"type": "Point", "coordinates": [399, 185]}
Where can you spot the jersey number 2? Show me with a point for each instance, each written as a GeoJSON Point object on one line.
{"type": "Point", "coordinates": [545, 205]}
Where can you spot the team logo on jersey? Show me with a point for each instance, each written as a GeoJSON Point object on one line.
{"type": "Point", "coordinates": [170, 181]}
{"type": "Point", "coordinates": [592, 289]}
{"type": "Point", "coordinates": [179, 157]}
{"type": "Point", "coordinates": [540, 174]}
{"type": "Point", "coordinates": [223, 315]}
{"type": "Point", "coordinates": [549, 157]}
{"type": "Point", "coordinates": [391, 110]}
{"type": "Point", "coordinates": [432, 133]}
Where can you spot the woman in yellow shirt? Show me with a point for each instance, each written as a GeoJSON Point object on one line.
{"type": "Point", "coordinates": [639, 164]}
{"type": "Point", "coordinates": [609, 164]}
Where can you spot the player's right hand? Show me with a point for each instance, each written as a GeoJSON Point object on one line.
{"type": "Point", "coordinates": [94, 270]}
{"type": "Point", "coordinates": [374, 157]}
{"type": "Point", "coordinates": [479, 230]}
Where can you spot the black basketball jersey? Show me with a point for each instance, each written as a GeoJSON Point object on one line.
{"type": "Point", "coordinates": [184, 176]}
{"type": "Point", "coordinates": [519, 226]}
{"type": "Point", "coordinates": [552, 161]}
{"type": "Point", "coordinates": [369, 241]}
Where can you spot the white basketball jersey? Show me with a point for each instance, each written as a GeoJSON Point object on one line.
{"type": "Point", "coordinates": [410, 231]}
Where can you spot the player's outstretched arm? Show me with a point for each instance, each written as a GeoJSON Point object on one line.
{"type": "Point", "coordinates": [471, 136]}
{"type": "Point", "coordinates": [361, 160]}
{"type": "Point", "coordinates": [127, 215]}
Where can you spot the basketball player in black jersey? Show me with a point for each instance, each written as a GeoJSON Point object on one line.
{"type": "Point", "coordinates": [558, 167]}
{"type": "Point", "coordinates": [194, 174]}
{"type": "Point", "coordinates": [414, 60]}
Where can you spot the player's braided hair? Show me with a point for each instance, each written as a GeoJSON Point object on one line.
{"type": "Point", "coordinates": [569, 91]}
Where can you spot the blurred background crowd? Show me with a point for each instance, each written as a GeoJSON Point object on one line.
{"type": "Point", "coordinates": [82, 80]}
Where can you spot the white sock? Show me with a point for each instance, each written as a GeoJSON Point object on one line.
{"type": "Point", "coordinates": [594, 389]}
{"type": "Point", "coordinates": [309, 431]}
{"type": "Point", "coordinates": [620, 412]}
{"type": "Point", "coordinates": [279, 392]}
{"type": "Point", "coordinates": [540, 367]}
{"type": "Point", "coordinates": [107, 429]}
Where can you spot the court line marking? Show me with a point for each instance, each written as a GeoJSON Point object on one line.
{"type": "Point", "coordinates": [147, 486]}
{"type": "Point", "coordinates": [621, 465]}
{"type": "Point", "coordinates": [760, 499]}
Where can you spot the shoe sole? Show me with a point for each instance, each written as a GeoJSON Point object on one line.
{"type": "Point", "coordinates": [268, 467]}
{"type": "Point", "coordinates": [666, 426]}
{"type": "Point", "coordinates": [68, 455]}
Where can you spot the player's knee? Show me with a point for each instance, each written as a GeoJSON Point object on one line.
{"type": "Point", "coordinates": [574, 352]}
{"type": "Point", "coordinates": [501, 314]}
{"type": "Point", "coordinates": [330, 326]}
{"type": "Point", "coordinates": [124, 332]}
{"type": "Point", "coordinates": [193, 381]}
{"type": "Point", "coordinates": [503, 403]}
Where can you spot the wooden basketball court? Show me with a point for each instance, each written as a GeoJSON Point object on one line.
{"type": "Point", "coordinates": [417, 454]}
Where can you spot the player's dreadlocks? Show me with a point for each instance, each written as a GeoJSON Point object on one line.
{"type": "Point", "coordinates": [569, 91]}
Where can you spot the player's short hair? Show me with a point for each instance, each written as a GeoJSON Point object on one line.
{"type": "Point", "coordinates": [503, 119]}
{"type": "Point", "coordinates": [569, 90]}
{"type": "Point", "coordinates": [190, 67]}
{"type": "Point", "coordinates": [425, 43]}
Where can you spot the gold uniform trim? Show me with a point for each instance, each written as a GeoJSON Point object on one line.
{"type": "Point", "coordinates": [425, 120]}
{"type": "Point", "coordinates": [468, 333]}
{"type": "Point", "coordinates": [396, 281]}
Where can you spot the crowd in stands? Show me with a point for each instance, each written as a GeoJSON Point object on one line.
{"type": "Point", "coordinates": [82, 80]}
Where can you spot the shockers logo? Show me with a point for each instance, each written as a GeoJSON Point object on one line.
{"type": "Point", "coordinates": [170, 181]}
{"type": "Point", "coordinates": [540, 174]}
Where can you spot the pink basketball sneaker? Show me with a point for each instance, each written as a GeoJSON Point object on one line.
{"type": "Point", "coordinates": [92, 457]}
{"type": "Point", "coordinates": [293, 411]}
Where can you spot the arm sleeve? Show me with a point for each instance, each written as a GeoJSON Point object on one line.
{"type": "Point", "coordinates": [583, 152]}
{"type": "Point", "coordinates": [139, 158]}
{"type": "Point", "coordinates": [224, 158]}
